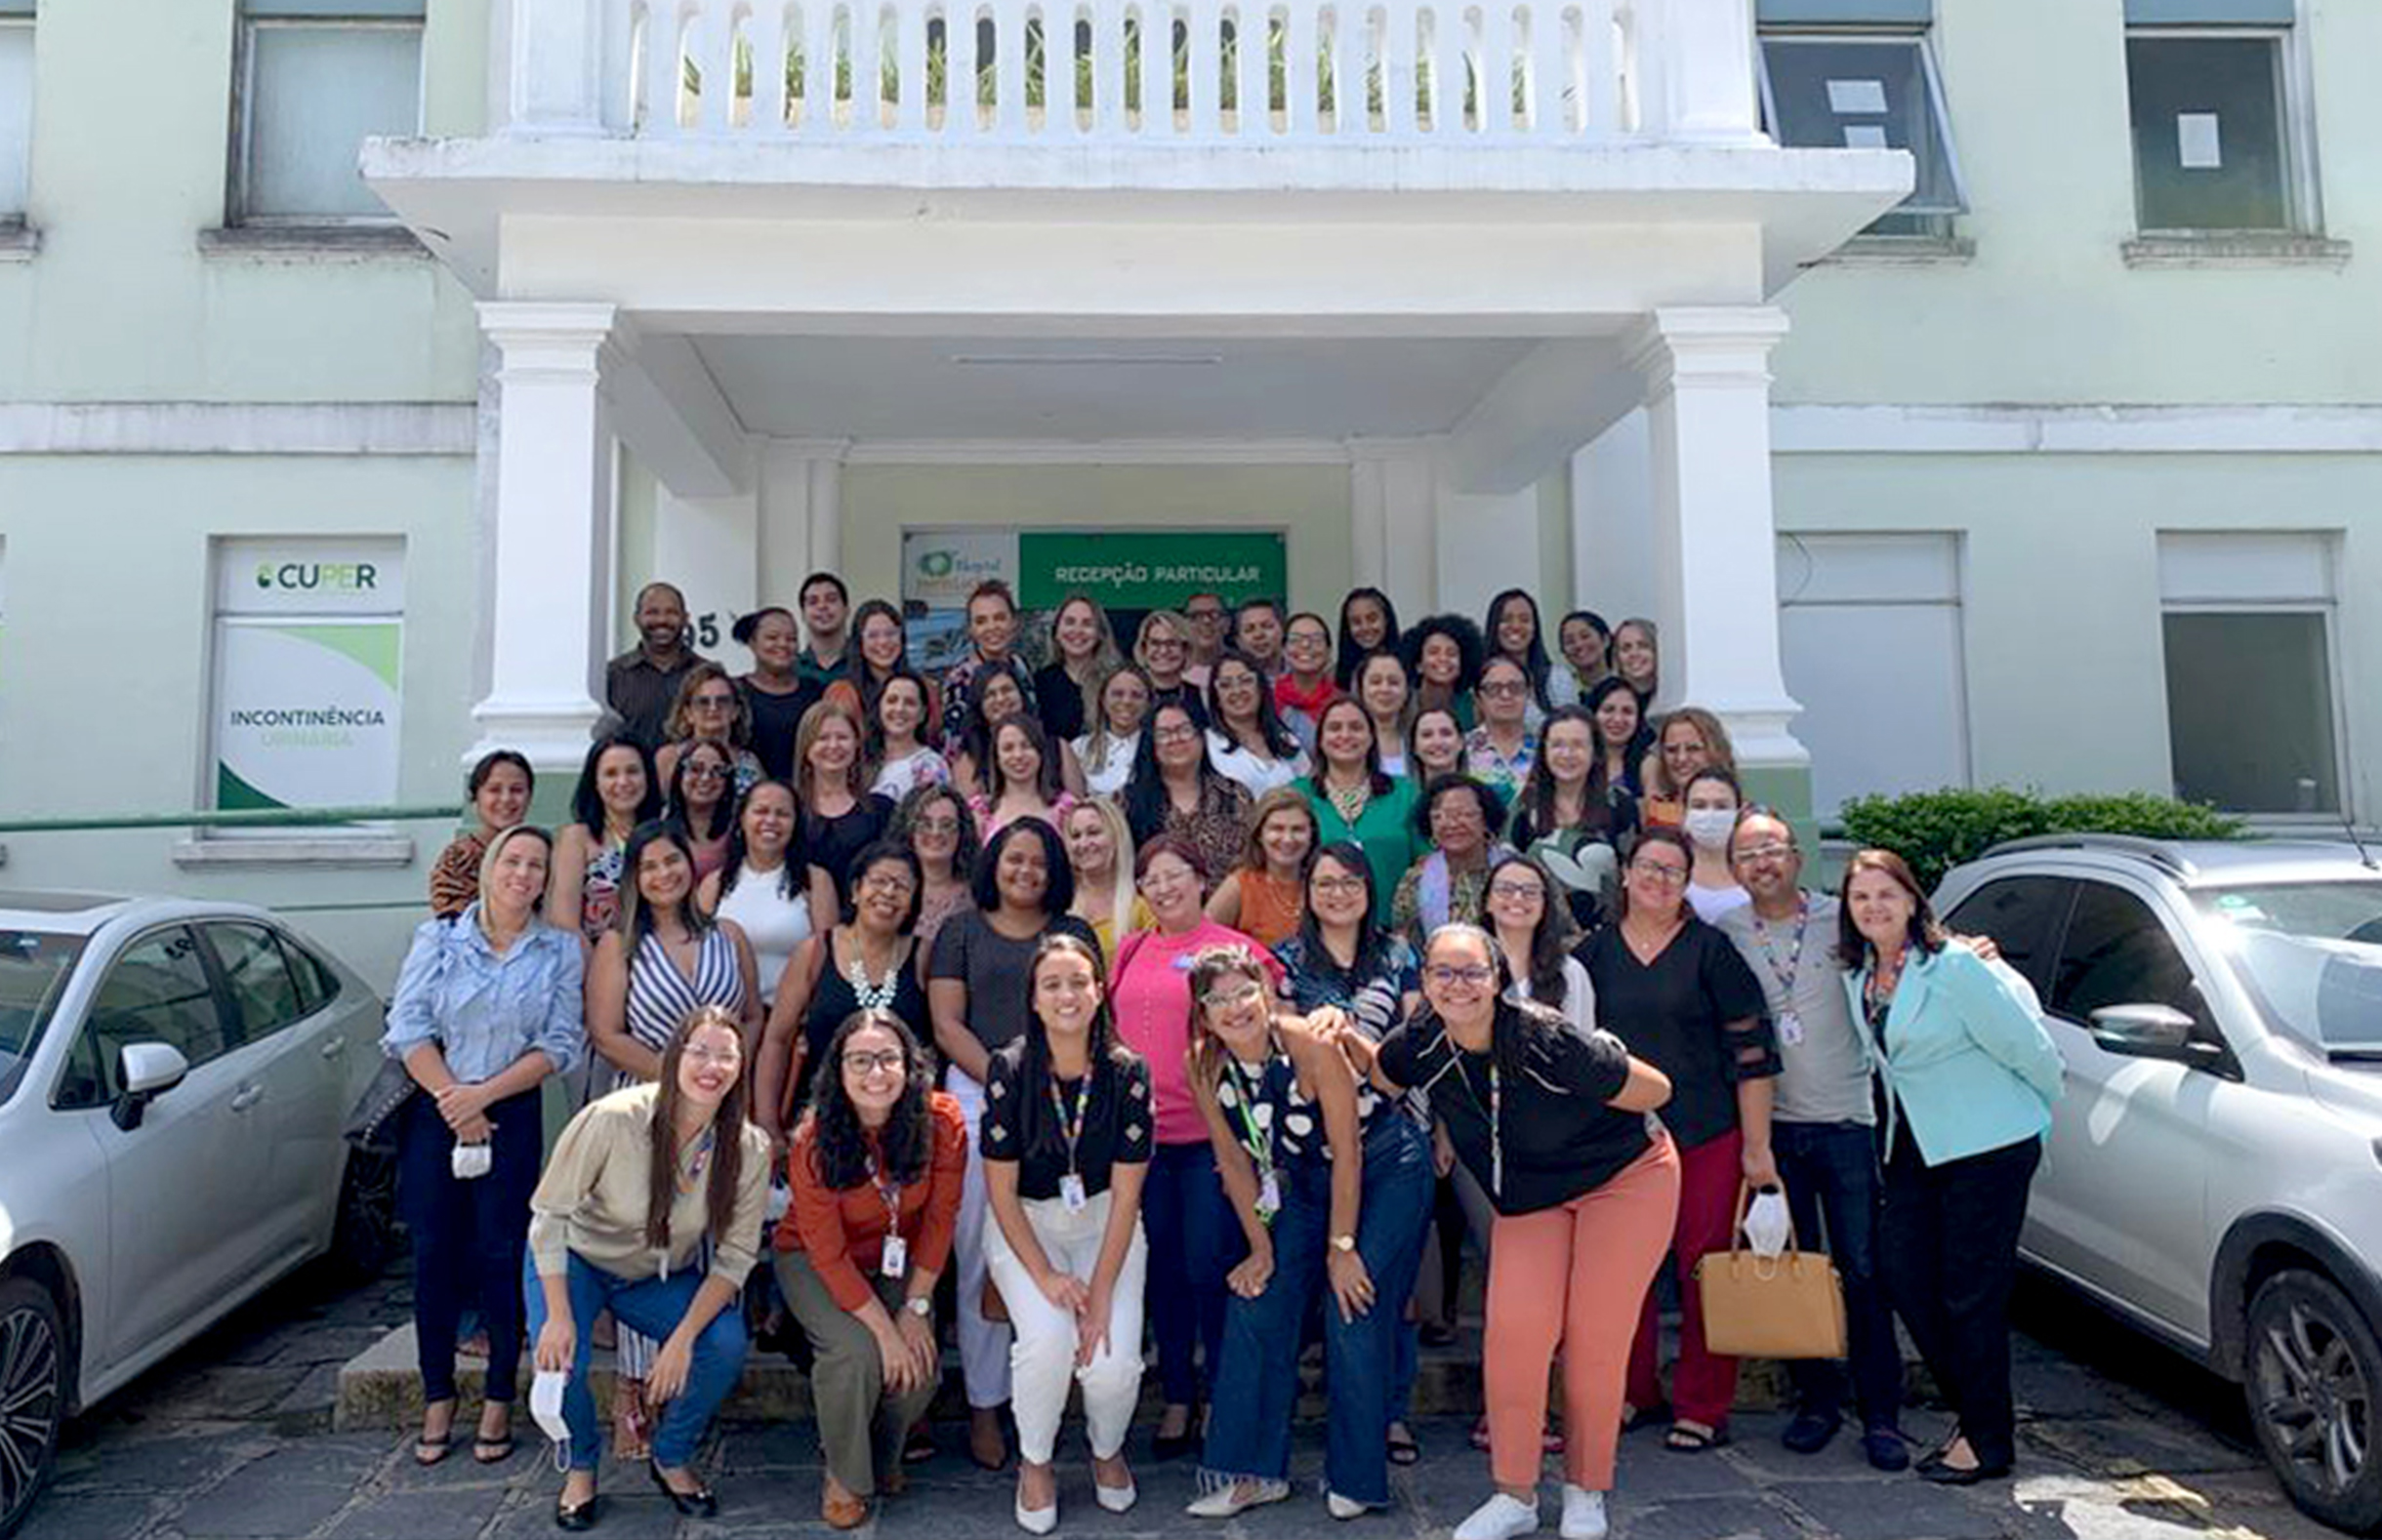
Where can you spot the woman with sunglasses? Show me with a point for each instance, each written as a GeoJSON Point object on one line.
{"type": "Point", "coordinates": [875, 1172]}
{"type": "Point", "coordinates": [1554, 1125]}
{"type": "Point", "coordinates": [702, 804]}
{"type": "Point", "coordinates": [1067, 1140]}
{"type": "Point", "coordinates": [709, 708]}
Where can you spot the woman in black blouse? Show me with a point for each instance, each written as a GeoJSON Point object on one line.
{"type": "Point", "coordinates": [1678, 993]}
{"type": "Point", "coordinates": [1555, 1126]}
{"type": "Point", "coordinates": [1067, 1137]}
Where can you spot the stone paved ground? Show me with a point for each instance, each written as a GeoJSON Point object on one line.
{"type": "Point", "coordinates": [231, 1439]}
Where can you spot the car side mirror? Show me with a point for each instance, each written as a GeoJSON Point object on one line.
{"type": "Point", "coordinates": [147, 1071]}
{"type": "Point", "coordinates": [2153, 1031]}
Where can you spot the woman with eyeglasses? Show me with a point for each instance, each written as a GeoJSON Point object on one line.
{"type": "Point", "coordinates": [1457, 818]}
{"type": "Point", "coordinates": [1343, 958]}
{"type": "Point", "coordinates": [1176, 790]}
{"type": "Point", "coordinates": [1247, 741]}
{"type": "Point", "coordinates": [875, 1170]}
{"type": "Point", "coordinates": [1692, 740]}
{"type": "Point", "coordinates": [1355, 799]}
{"type": "Point", "coordinates": [866, 962]}
{"type": "Point", "coordinates": [710, 709]}
{"type": "Point", "coordinates": [1535, 933]}
{"type": "Point", "coordinates": [1503, 748]}
{"type": "Point", "coordinates": [1163, 647]}
{"type": "Point", "coordinates": [1067, 1140]}
{"type": "Point", "coordinates": [774, 694]}
{"type": "Point", "coordinates": [1554, 1125]}
{"type": "Point", "coordinates": [1678, 993]}
{"type": "Point", "coordinates": [1193, 1239]}
{"type": "Point", "coordinates": [616, 791]}
{"type": "Point", "coordinates": [1306, 686]}
{"type": "Point", "coordinates": [1388, 698]}
{"type": "Point", "coordinates": [1567, 822]}
{"type": "Point", "coordinates": [1368, 624]}
{"type": "Point", "coordinates": [935, 824]}
{"type": "Point", "coordinates": [880, 647]}
{"type": "Point", "coordinates": [1120, 708]}
{"type": "Point", "coordinates": [896, 756]}
{"type": "Point", "coordinates": [976, 986]}
{"type": "Point", "coordinates": [1264, 896]}
{"type": "Point", "coordinates": [702, 805]}
{"type": "Point", "coordinates": [1443, 657]}
{"type": "Point", "coordinates": [639, 1185]}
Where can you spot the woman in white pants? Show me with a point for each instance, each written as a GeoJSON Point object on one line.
{"type": "Point", "coordinates": [1066, 1144]}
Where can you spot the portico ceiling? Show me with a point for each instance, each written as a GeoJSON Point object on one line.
{"type": "Point", "coordinates": [1076, 388]}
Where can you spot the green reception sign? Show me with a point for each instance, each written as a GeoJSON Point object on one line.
{"type": "Point", "coordinates": [1149, 571]}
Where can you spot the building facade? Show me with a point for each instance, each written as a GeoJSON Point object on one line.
{"type": "Point", "coordinates": [1951, 438]}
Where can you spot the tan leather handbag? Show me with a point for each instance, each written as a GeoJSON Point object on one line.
{"type": "Point", "coordinates": [1790, 1306]}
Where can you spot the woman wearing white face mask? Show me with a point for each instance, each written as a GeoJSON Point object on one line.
{"type": "Point", "coordinates": [1713, 802]}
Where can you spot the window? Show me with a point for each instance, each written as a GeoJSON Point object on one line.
{"type": "Point", "coordinates": [2212, 108]}
{"type": "Point", "coordinates": [257, 978]}
{"type": "Point", "coordinates": [2117, 952]}
{"type": "Point", "coordinates": [2022, 914]}
{"type": "Point", "coordinates": [16, 107]}
{"type": "Point", "coordinates": [2251, 694]}
{"type": "Point", "coordinates": [1860, 74]}
{"type": "Point", "coordinates": [157, 992]}
{"type": "Point", "coordinates": [317, 77]}
{"type": "Point", "coordinates": [317, 984]}
{"type": "Point", "coordinates": [1864, 618]}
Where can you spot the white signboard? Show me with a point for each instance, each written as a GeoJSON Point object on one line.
{"type": "Point", "coordinates": [940, 568]}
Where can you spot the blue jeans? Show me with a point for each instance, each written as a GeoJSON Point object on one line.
{"type": "Point", "coordinates": [1257, 1383]}
{"type": "Point", "coordinates": [652, 1306]}
{"type": "Point", "coordinates": [1194, 1240]}
{"type": "Point", "coordinates": [1834, 1189]}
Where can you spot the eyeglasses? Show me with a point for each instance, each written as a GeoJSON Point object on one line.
{"type": "Point", "coordinates": [887, 882]}
{"type": "Point", "coordinates": [1503, 689]}
{"type": "Point", "coordinates": [714, 702]}
{"type": "Point", "coordinates": [704, 769]}
{"type": "Point", "coordinates": [1223, 999]}
{"type": "Point", "coordinates": [1660, 871]}
{"type": "Point", "coordinates": [1309, 639]}
{"type": "Point", "coordinates": [864, 1063]}
{"type": "Point", "coordinates": [1769, 852]}
{"type": "Point", "coordinates": [937, 826]}
{"type": "Point", "coordinates": [715, 1055]}
{"type": "Point", "coordinates": [1516, 890]}
{"type": "Point", "coordinates": [1339, 885]}
{"type": "Point", "coordinates": [1175, 735]}
{"type": "Point", "coordinates": [1447, 973]}
{"type": "Point", "coordinates": [1165, 644]}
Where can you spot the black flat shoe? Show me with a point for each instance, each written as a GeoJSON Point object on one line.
{"type": "Point", "coordinates": [1810, 1432]}
{"type": "Point", "coordinates": [1944, 1474]}
{"type": "Point", "coordinates": [576, 1517]}
{"type": "Point", "coordinates": [700, 1502]}
{"type": "Point", "coordinates": [1886, 1449]}
{"type": "Point", "coordinates": [1174, 1445]}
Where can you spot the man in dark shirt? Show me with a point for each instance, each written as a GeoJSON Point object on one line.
{"type": "Point", "coordinates": [826, 656]}
{"type": "Point", "coordinates": [641, 683]}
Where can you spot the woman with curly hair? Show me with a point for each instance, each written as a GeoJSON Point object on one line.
{"type": "Point", "coordinates": [875, 1169]}
{"type": "Point", "coordinates": [1443, 656]}
{"type": "Point", "coordinates": [710, 709]}
{"type": "Point", "coordinates": [1067, 1141]}
{"type": "Point", "coordinates": [935, 824]}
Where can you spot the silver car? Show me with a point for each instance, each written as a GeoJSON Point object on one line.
{"type": "Point", "coordinates": [2215, 1170]}
{"type": "Point", "coordinates": [174, 1082]}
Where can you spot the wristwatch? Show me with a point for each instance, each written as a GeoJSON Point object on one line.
{"type": "Point", "coordinates": [921, 1306]}
{"type": "Point", "coordinates": [1343, 1243]}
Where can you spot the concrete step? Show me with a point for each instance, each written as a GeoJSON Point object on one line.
{"type": "Point", "coordinates": [379, 1387]}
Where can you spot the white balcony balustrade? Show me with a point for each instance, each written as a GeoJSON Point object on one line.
{"type": "Point", "coordinates": [1106, 72]}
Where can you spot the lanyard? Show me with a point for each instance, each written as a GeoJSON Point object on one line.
{"type": "Point", "coordinates": [1251, 1139]}
{"type": "Point", "coordinates": [1071, 1124]}
{"type": "Point", "coordinates": [1497, 1120]}
{"type": "Point", "coordinates": [1795, 960]}
{"type": "Point", "coordinates": [889, 1192]}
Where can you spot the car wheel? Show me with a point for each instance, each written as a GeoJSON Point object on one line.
{"type": "Point", "coordinates": [32, 1395]}
{"type": "Point", "coordinates": [365, 1235]}
{"type": "Point", "coordinates": [2314, 1371]}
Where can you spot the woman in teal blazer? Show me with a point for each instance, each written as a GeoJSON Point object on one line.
{"type": "Point", "coordinates": [1969, 1077]}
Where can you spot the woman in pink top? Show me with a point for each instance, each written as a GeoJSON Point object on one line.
{"type": "Point", "coordinates": [1194, 1239]}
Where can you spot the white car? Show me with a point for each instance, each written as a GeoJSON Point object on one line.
{"type": "Point", "coordinates": [174, 1082]}
{"type": "Point", "coordinates": [2215, 1170]}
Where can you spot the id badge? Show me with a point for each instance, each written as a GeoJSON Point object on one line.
{"type": "Point", "coordinates": [1071, 1194]}
{"type": "Point", "coordinates": [1791, 1030]}
{"type": "Point", "coordinates": [896, 1261]}
{"type": "Point", "coordinates": [1269, 1197]}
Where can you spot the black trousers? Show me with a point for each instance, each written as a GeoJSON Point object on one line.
{"type": "Point", "coordinates": [1832, 1187]}
{"type": "Point", "coordinates": [1948, 1250]}
{"type": "Point", "coordinates": [469, 1237]}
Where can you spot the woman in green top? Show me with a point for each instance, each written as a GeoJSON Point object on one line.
{"type": "Point", "coordinates": [1355, 801]}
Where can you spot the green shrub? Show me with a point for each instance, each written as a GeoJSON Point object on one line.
{"type": "Point", "coordinates": [1937, 831]}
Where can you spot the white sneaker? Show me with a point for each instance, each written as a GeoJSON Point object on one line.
{"type": "Point", "coordinates": [1237, 1497]}
{"type": "Point", "coordinates": [1500, 1517]}
{"type": "Point", "coordinates": [1584, 1514]}
{"type": "Point", "coordinates": [1339, 1507]}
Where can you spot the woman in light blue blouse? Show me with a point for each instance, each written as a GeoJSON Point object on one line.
{"type": "Point", "coordinates": [488, 1006]}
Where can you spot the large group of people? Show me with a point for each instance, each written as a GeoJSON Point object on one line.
{"type": "Point", "coordinates": [1223, 982]}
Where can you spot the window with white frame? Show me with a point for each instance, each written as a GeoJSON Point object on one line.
{"type": "Point", "coordinates": [316, 78]}
{"type": "Point", "coordinates": [2252, 698]}
{"type": "Point", "coordinates": [16, 106]}
{"type": "Point", "coordinates": [2219, 107]}
{"type": "Point", "coordinates": [1864, 618]}
{"type": "Point", "coordinates": [1861, 74]}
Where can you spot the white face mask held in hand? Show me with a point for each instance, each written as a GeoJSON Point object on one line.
{"type": "Point", "coordinates": [1710, 826]}
{"type": "Point", "coordinates": [1767, 1227]}
{"type": "Point", "coordinates": [545, 1409]}
{"type": "Point", "coordinates": [472, 1161]}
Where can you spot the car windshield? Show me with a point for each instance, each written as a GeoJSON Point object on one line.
{"type": "Point", "coordinates": [34, 966]}
{"type": "Point", "coordinates": [2311, 952]}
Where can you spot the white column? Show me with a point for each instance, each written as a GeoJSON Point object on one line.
{"type": "Point", "coordinates": [1707, 412]}
{"type": "Point", "coordinates": [827, 513]}
{"type": "Point", "coordinates": [802, 517]}
{"type": "Point", "coordinates": [554, 494]}
{"type": "Point", "coordinates": [1613, 544]}
{"type": "Point", "coordinates": [1393, 513]}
